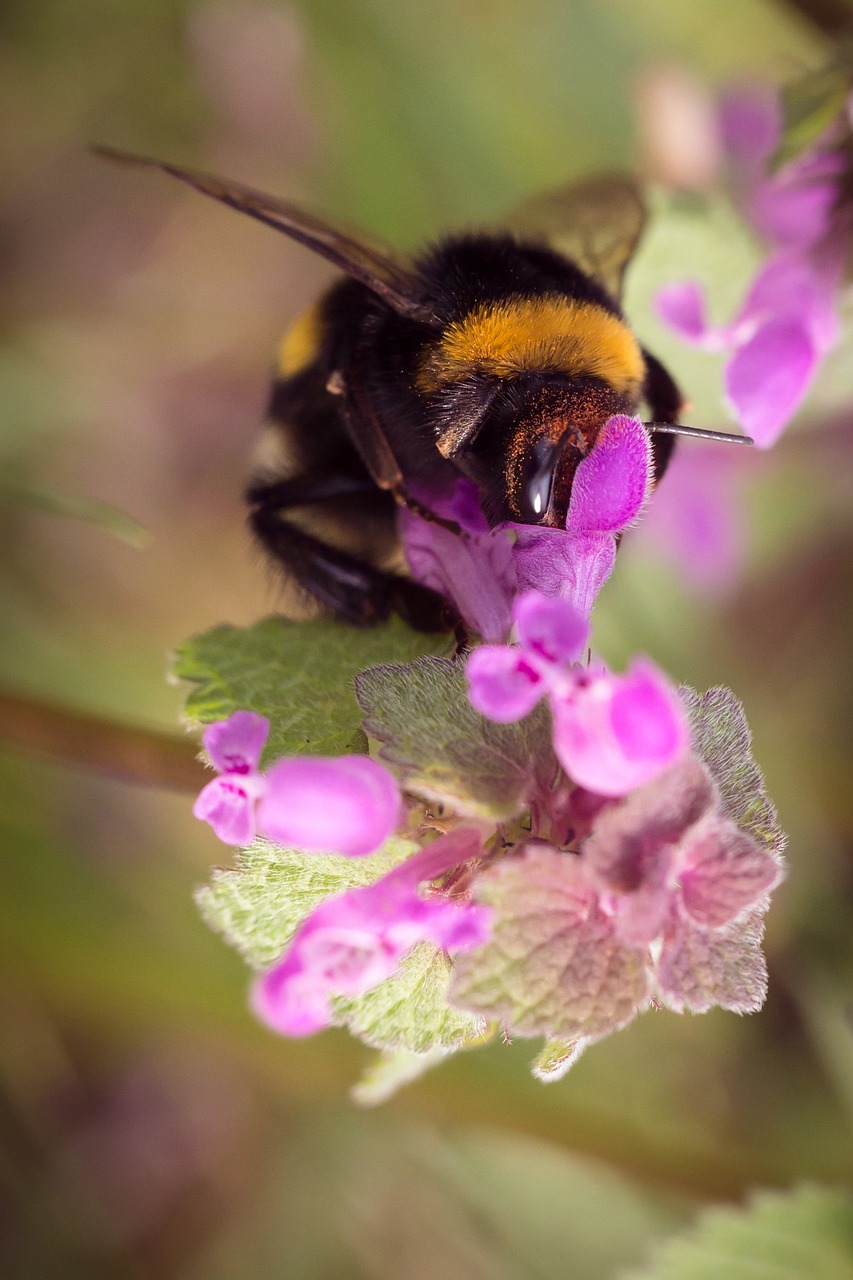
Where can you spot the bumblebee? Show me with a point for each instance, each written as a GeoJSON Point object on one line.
{"type": "Point", "coordinates": [496, 356]}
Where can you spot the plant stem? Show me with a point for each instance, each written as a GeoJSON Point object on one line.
{"type": "Point", "coordinates": [131, 752]}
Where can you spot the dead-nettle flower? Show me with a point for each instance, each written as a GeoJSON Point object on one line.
{"type": "Point", "coordinates": [789, 318]}
{"type": "Point", "coordinates": [348, 804]}
{"type": "Point", "coordinates": [356, 940]}
{"type": "Point", "coordinates": [611, 733]}
{"type": "Point", "coordinates": [483, 570]}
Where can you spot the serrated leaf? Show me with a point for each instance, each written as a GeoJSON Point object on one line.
{"type": "Point", "coordinates": [722, 739]}
{"type": "Point", "coordinates": [806, 1234]}
{"type": "Point", "coordinates": [297, 674]}
{"type": "Point", "coordinates": [260, 903]}
{"type": "Point", "coordinates": [552, 965]}
{"type": "Point", "coordinates": [444, 750]}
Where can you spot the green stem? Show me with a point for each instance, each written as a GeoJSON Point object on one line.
{"type": "Point", "coordinates": [130, 752]}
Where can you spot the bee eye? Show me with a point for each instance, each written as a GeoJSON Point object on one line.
{"type": "Point", "coordinates": [537, 479]}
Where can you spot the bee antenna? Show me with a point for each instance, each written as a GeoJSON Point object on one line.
{"type": "Point", "coordinates": [676, 429]}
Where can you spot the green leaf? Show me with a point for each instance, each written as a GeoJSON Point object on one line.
{"type": "Point", "coordinates": [806, 1234]}
{"type": "Point", "coordinates": [391, 1070]}
{"type": "Point", "coordinates": [555, 1058]}
{"type": "Point", "coordinates": [298, 674]}
{"type": "Point", "coordinates": [91, 510]}
{"type": "Point", "coordinates": [722, 739]}
{"type": "Point", "coordinates": [809, 107]}
{"type": "Point", "coordinates": [444, 750]}
{"type": "Point", "coordinates": [260, 903]}
{"type": "Point", "coordinates": [552, 965]}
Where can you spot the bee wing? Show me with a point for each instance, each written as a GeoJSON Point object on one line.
{"type": "Point", "coordinates": [380, 269]}
{"type": "Point", "coordinates": [596, 222]}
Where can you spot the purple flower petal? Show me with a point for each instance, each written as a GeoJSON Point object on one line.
{"type": "Point", "coordinates": [475, 571]}
{"type": "Point", "coordinates": [235, 745]}
{"type": "Point", "coordinates": [352, 942]}
{"type": "Point", "coordinates": [767, 379]}
{"type": "Point", "coordinates": [614, 733]}
{"type": "Point", "coordinates": [348, 805]}
{"type": "Point", "coordinates": [612, 481]}
{"type": "Point", "coordinates": [504, 684]}
{"type": "Point", "coordinates": [552, 629]}
{"type": "Point", "coordinates": [681, 306]}
{"type": "Point", "coordinates": [725, 872]}
{"type": "Point", "coordinates": [751, 124]}
{"type": "Point", "coordinates": [567, 566]}
{"type": "Point", "coordinates": [228, 803]}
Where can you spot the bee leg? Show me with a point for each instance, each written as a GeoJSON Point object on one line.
{"type": "Point", "coordinates": [666, 403]}
{"type": "Point", "coordinates": [342, 583]}
{"type": "Point", "coordinates": [376, 453]}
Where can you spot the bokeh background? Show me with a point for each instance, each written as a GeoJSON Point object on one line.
{"type": "Point", "coordinates": [149, 1127]}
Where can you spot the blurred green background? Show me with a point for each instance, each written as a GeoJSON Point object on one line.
{"type": "Point", "coordinates": [149, 1126]}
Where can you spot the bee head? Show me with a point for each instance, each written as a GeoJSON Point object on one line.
{"type": "Point", "coordinates": [529, 449]}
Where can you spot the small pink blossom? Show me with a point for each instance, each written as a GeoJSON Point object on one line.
{"type": "Point", "coordinates": [352, 942]}
{"type": "Point", "coordinates": [348, 805]}
{"type": "Point", "coordinates": [475, 570]}
{"type": "Point", "coordinates": [609, 490]}
{"type": "Point", "coordinates": [611, 733]}
{"type": "Point", "coordinates": [228, 802]}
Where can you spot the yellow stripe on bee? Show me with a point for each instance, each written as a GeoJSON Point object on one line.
{"type": "Point", "coordinates": [525, 335]}
{"type": "Point", "coordinates": [301, 343]}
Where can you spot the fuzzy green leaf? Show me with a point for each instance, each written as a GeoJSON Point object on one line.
{"type": "Point", "coordinates": [806, 1234]}
{"type": "Point", "coordinates": [444, 750]}
{"type": "Point", "coordinates": [259, 904]}
{"type": "Point", "coordinates": [722, 739]}
{"type": "Point", "coordinates": [298, 674]}
{"type": "Point", "coordinates": [552, 965]}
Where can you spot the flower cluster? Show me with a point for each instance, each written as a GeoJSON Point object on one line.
{"type": "Point", "coordinates": [788, 320]}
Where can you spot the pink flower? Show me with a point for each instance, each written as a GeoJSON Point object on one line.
{"type": "Point", "coordinates": [348, 804]}
{"type": "Point", "coordinates": [786, 325]}
{"type": "Point", "coordinates": [609, 490]}
{"type": "Point", "coordinates": [228, 802]}
{"type": "Point", "coordinates": [611, 733]}
{"type": "Point", "coordinates": [474, 571]}
{"type": "Point", "coordinates": [788, 320]}
{"type": "Point", "coordinates": [483, 570]}
{"type": "Point", "coordinates": [355, 941]}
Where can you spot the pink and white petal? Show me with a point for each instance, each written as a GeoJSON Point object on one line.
{"type": "Point", "coordinates": [235, 745]}
{"type": "Point", "coordinates": [724, 872]}
{"type": "Point", "coordinates": [612, 482]}
{"type": "Point", "coordinates": [348, 805]}
{"type": "Point", "coordinates": [552, 629]}
{"type": "Point", "coordinates": [615, 733]}
{"type": "Point", "coordinates": [681, 307]}
{"type": "Point", "coordinates": [699, 968]}
{"type": "Point", "coordinates": [568, 566]}
{"type": "Point", "coordinates": [767, 379]}
{"type": "Point", "coordinates": [793, 287]}
{"type": "Point", "coordinates": [504, 683]}
{"type": "Point", "coordinates": [229, 808]}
